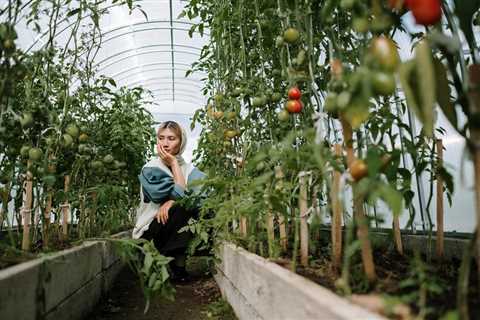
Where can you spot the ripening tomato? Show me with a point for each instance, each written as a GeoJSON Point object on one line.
{"type": "Point", "coordinates": [385, 53]}
{"type": "Point", "coordinates": [358, 169]}
{"type": "Point", "coordinates": [426, 12]}
{"type": "Point", "coordinates": [294, 93]}
{"type": "Point", "coordinates": [294, 106]}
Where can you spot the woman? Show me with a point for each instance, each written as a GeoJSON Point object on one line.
{"type": "Point", "coordinates": [164, 180]}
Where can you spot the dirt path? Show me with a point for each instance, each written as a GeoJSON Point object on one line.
{"type": "Point", "coordinates": [199, 299]}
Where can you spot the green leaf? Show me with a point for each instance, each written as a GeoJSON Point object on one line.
{"type": "Point", "coordinates": [406, 72]}
{"type": "Point", "coordinates": [147, 264]}
{"type": "Point", "coordinates": [443, 93]}
{"type": "Point", "coordinates": [73, 12]}
{"type": "Point", "coordinates": [465, 11]}
{"type": "Point", "coordinates": [425, 72]}
{"type": "Point", "coordinates": [392, 198]}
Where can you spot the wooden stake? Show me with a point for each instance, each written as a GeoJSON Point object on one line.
{"type": "Point", "coordinates": [362, 234]}
{"type": "Point", "coordinates": [397, 235]}
{"type": "Point", "coordinates": [270, 232]}
{"type": "Point", "coordinates": [440, 238]}
{"type": "Point", "coordinates": [283, 232]}
{"type": "Point", "coordinates": [27, 207]}
{"type": "Point", "coordinates": [304, 238]}
{"type": "Point", "coordinates": [359, 214]}
{"type": "Point", "coordinates": [65, 210]}
{"type": "Point", "coordinates": [348, 140]}
{"type": "Point", "coordinates": [46, 220]}
{"type": "Point", "coordinates": [337, 216]}
{"type": "Point", "coordinates": [243, 226]}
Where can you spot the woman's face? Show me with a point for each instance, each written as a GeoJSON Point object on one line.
{"type": "Point", "coordinates": [169, 141]}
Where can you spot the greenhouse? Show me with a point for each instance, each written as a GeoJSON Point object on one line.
{"type": "Point", "coordinates": [213, 159]}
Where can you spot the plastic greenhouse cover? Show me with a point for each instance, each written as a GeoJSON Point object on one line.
{"type": "Point", "coordinates": [138, 51]}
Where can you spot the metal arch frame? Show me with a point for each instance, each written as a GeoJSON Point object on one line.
{"type": "Point", "coordinates": [151, 83]}
{"type": "Point", "coordinates": [133, 31]}
{"type": "Point", "coordinates": [161, 99]}
{"type": "Point", "coordinates": [152, 70]}
{"type": "Point", "coordinates": [182, 91]}
{"type": "Point", "coordinates": [162, 89]}
{"type": "Point", "coordinates": [147, 47]}
{"type": "Point", "coordinates": [170, 95]}
{"type": "Point", "coordinates": [142, 66]}
{"type": "Point", "coordinates": [40, 37]}
{"type": "Point", "coordinates": [135, 83]}
{"type": "Point", "coordinates": [143, 53]}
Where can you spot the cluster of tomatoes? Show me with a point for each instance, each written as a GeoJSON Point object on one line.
{"type": "Point", "coordinates": [293, 104]}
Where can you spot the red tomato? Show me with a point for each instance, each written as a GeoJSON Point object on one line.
{"type": "Point", "coordinates": [294, 106]}
{"type": "Point", "coordinates": [426, 12]}
{"type": "Point", "coordinates": [294, 93]}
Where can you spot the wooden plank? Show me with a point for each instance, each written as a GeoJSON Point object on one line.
{"type": "Point", "coordinates": [277, 293]}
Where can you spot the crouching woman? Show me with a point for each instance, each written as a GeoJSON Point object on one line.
{"type": "Point", "coordinates": [165, 180]}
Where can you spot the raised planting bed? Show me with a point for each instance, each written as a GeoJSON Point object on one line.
{"type": "Point", "coordinates": [454, 243]}
{"type": "Point", "coordinates": [259, 289]}
{"type": "Point", "coordinates": [63, 285]}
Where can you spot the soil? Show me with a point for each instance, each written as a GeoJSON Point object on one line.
{"type": "Point", "coordinates": [198, 299]}
{"type": "Point", "coordinates": [398, 280]}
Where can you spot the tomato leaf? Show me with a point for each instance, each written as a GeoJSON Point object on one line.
{"type": "Point", "coordinates": [443, 93]}
{"type": "Point", "coordinates": [425, 73]}
{"type": "Point", "coordinates": [73, 12]}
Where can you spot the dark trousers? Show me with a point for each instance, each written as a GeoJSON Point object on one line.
{"type": "Point", "coordinates": [166, 238]}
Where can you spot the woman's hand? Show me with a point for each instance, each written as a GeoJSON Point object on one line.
{"type": "Point", "coordinates": [168, 158]}
{"type": "Point", "coordinates": [162, 214]}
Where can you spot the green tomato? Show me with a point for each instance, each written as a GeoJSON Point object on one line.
{"type": "Point", "coordinates": [26, 120]}
{"type": "Point", "coordinates": [24, 151]}
{"type": "Point", "coordinates": [67, 140]}
{"type": "Point", "coordinates": [72, 130]}
{"type": "Point", "coordinates": [291, 35]}
{"type": "Point", "coordinates": [276, 97]}
{"type": "Point", "coordinates": [258, 101]}
{"type": "Point", "coordinates": [283, 115]}
{"type": "Point", "coordinates": [108, 159]}
{"type": "Point", "coordinates": [35, 154]}
{"type": "Point", "coordinates": [383, 83]}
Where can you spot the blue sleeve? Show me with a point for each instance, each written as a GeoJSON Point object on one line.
{"type": "Point", "coordinates": [157, 185]}
{"type": "Point", "coordinates": [194, 180]}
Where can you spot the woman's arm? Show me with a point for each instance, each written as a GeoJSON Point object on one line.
{"type": "Point", "coordinates": [178, 177]}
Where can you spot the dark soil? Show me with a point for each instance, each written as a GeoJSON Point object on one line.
{"type": "Point", "coordinates": [198, 299]}
{"type": "Point", "coordinates": [398, 279]}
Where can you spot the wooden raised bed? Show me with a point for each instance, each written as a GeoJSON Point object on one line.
{"type": "Point", "coordinates": [259, 289]}
{"type": "Point", "coordinates": [64, 285]}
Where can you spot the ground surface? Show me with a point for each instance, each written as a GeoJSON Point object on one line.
{"type": "Point", "coordinates": [199, 299]}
